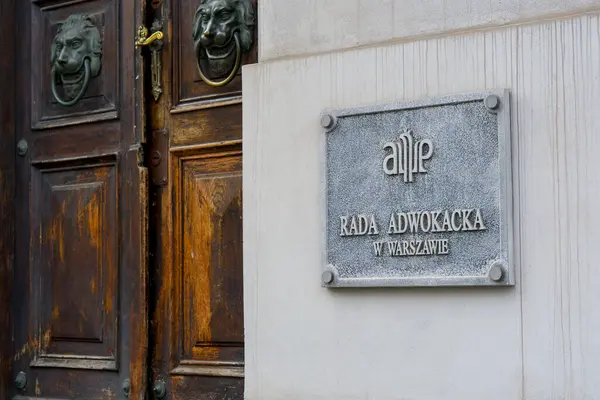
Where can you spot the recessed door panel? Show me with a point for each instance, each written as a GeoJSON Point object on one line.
{"type": "Point", "coordinates": [208, 267]}
{"type": "Point", "coordinates": [74, 264]}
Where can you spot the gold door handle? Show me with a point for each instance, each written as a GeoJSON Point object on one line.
{"type": "Point", "coordinates": [144, 40]}
{"type": "Point", "coordinates": [155, 42]}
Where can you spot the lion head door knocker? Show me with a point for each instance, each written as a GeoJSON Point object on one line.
{"type": "Point", "coordinates": [76, 58]}
{"type": "Point", "coordinates": [222, 34]}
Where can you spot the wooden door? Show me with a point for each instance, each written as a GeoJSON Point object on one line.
{"type": "Point", "coordinates": [197, 324]}
{"type": "Point", "coordinates": [79, 298]}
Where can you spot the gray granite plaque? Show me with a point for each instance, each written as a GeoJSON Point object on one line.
{"type": "Point", "coordinates": [420, 193]}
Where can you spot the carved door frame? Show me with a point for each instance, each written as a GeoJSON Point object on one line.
{"type": "Point", "coordinates": [7, 186]}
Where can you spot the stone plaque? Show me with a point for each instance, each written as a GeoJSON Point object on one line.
{"type": "Point", "coordinates": [420, 193]}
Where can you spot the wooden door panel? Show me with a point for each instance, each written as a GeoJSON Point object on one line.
{"type": "Point", "coordinates": [81, 229]}
{"type": "Point", "coordinates": [72, 141]}
{"type": "Point", "coordinates": [74, 220]}
{"type": "Point", "coordinates": [186, 387]}
{"type": "Point", "coordinates": [208, 266]}
{"type": "Point", "coordinates": [207, 125]}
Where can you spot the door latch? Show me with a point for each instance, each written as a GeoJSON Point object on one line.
{"type": "Point", "coordinates": [159, 152]}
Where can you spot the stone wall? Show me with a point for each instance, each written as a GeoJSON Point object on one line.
{"type": "Point", "coordinates": [536, 341]}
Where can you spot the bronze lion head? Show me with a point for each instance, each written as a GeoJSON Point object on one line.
{"type": "Point", "coordinates": [77, 40]}
{"type": "Point", "coordinates": [216, 25]}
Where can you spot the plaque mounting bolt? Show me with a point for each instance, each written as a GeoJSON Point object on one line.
{"type": "Point", "coordinates": [328, 121]}
{"type": "Point", "coordinates": [327, 277]}
{"type": "Point", "coordinates": [496, 272]}
{"type": "Point", "coordinates": [492, 102]}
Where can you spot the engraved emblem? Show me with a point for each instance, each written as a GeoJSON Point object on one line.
{"type": "Point", "coordinates": [76, 58]}
{"type": "Point", "coordinates": [222, 32]}
{"type": "Point", "coordinates": [407, 156]}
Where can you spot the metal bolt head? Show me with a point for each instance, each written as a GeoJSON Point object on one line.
{"type": "Point", "coordinates": [327, 277]}
{"type": "Point", "coordinates": [155, 158]}
{"type": "Point", "coordinates": [492, 102]}
{"type": "Point", "coordinates": [327, 121]}
{"type": "Point", "coordinates": [21, 381]}
{"type": "Point", "coordinates": [496, 272]}
{"type": "Point", "coordinates": [159, 390]}
{"type": "Point", "coordinates": [126, 387]}
{"type": "Point", "coordinates": [22, 147]}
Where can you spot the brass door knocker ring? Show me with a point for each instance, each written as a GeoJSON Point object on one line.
{"type": "Point", "coordinates": [234, 71]}
{"type": "Point", "coordinates": [84, 86]}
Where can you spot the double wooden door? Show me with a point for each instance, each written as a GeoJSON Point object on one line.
{"type": "Point", "coordinates": [128, 234]}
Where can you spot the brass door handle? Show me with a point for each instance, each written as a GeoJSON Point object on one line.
{"type": "Point", "coordinates": [144, 40]}
{"type": "Point", "coordinates": [155, 42]}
